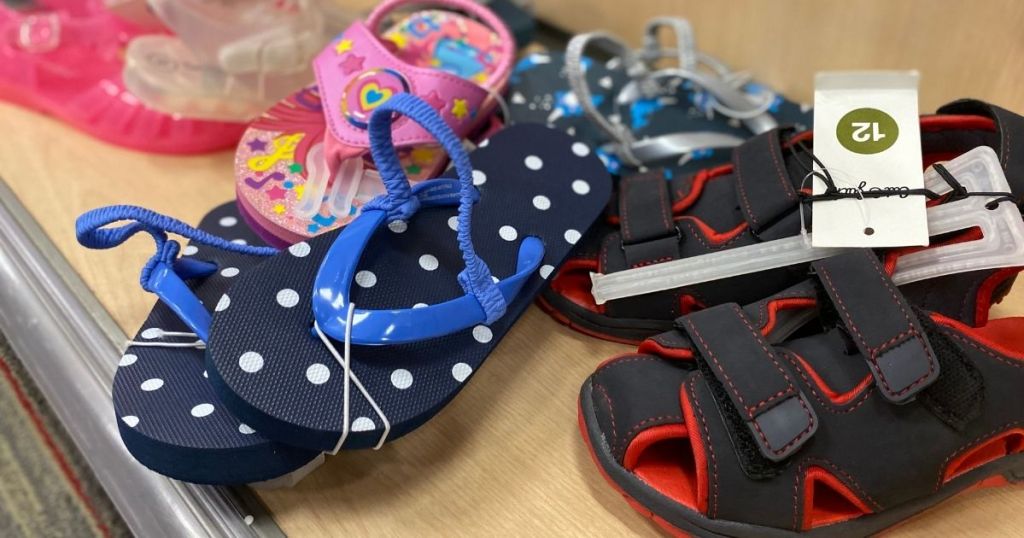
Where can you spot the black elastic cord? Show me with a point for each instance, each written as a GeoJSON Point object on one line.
{"type": "Point", "coordinates": [959, 192]}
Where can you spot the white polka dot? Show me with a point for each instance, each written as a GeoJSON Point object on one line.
{"type": "Point", "coordinates": [398, 226]}
{"type": "Point", "coordinates": [541, 202]}
{"type": "Point", "coordinates": [366, 279]}
{"type": "Point", "coordinates": [190, 250]}
{"type": "Point", "coordinates": [131, 420]}
{"type": "Point", "coordinates": [152, 332]}
{"type": "Point", "coordinates": [127, 360]}
{"type": "Point", "coordinates": [461, 371]}
{"type": "Point", "coordinates": [248, 520]}
{"type": "Point", "coordinates": [420, 305]}
{"type": "Point", "coordinates": [428, 262]}
{"type": "Point", "coordinates": [479, 178]}
{"type": "Point", "coordinates": [250, 362]}
{"type": "Point", "coordinates": [150, 385]}
{"type": "Point", "coordinates": [223, 303]}
{"type": "Point", "coordinates": [287, 298]}
{"type": "Point", "coordinates": [240, 241]}
{"type": "Point", "coordinates": [508, 233]}
{"type": "Point", "coordinates": [482, 334]}
{"type": "Point", "coordinates": [245, 429]}
{"type": "Point", "coordinates": [545, 271]}
{"type": "Point", "coordinates": [299, 250]}
{"type": "Point", "coordinates": [580, 149]}
{"type": "Point", "coordinates": [202, 410]}
{"type": "Point", "coordinates": [228, 222]}
{"type": "Point", "coordinates": [317, 374]}
{"type": "Point", "coordinates": [572, 236]}
{"type": "Point", "coordinates": [483, 143]}
{"type": "Point", "coordinates": [229, 272]}
{"type": "Point", "coordinates": [363, 424]}
{"type": "Point", "coordinates": [533, 162]}
{"type": "Point", "coordinates": [453, 223]}
{"type": "Point", "coordinates": [401, 378]}
{"type": "Point", "coordinates": [580, 187]}
{"type": "Point", "coordinates": [205, 374]}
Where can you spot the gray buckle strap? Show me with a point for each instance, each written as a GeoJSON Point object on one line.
{"type": "Point", "coordinates": [778, 415]}
{"type": "Point", "coordinates": [718, 80]}
{"type": "Point", "coordinates": [881, 323]}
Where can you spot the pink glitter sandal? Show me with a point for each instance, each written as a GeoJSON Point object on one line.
{"type": "Point", "coordinates": [303, 167]}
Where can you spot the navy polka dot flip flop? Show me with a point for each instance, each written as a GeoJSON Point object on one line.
{"type": "Point", "coordinates": [167, 412]}
{"type": "Point", "coordinates": [359, 336]}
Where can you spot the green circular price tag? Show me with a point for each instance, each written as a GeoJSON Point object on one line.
{"type": "Point", "coordinates": [867, 131]}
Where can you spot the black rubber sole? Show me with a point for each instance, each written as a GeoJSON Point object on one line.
{"type": "Point", "coordinates": [697, 524]}
{"type": "Point", "coordinates": [626, 331]}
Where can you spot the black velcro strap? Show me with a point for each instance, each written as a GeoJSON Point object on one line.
{"type": "Point", "coordinates": [759, 387]}
{"type": "Point", "coordinates": [1011, 134]}
{"type": "Point", "coordinates": [880, 323]}
{"type": "Point", "coordinates": [763, 187]}
{"type": "Point", "coordinates": [649, 235]}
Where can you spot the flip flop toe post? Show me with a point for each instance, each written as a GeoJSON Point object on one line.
{"type": "Point", "coordinates": [420, 287]}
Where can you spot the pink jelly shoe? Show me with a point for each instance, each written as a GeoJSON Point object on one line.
{"type": "Point", "coordinates": [64, 58]}
{"type": "Point", "coordinates": [303, 167]}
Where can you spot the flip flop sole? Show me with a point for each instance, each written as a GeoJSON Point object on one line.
{"type": "Point", "coordinates": [167, 412]}
{"type": "Point", "coordinates": [533, 181]}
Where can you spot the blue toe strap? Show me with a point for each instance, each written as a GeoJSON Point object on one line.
{"type": "Point", "coordinates": [164, 274]}
{"type": "Point", "coordinates": [485, 301]}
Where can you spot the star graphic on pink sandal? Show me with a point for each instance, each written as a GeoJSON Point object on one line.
{"type": "Point", "coordinates": [434, 100]}
{"type": "Point", "coordinates": [351, 64]}
{"type": "Point", "coordinates": [276, 193]}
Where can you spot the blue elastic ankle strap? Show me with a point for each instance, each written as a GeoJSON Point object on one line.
{"type": "Point", "coordinates": [400, 204]}
{"type": "Point", "coordinates": [164, 273]}
{"type": "Point", "coordinates": [485, 301]}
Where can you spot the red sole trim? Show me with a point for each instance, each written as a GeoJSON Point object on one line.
{"type": "Point", "coordinates": [993, 481]}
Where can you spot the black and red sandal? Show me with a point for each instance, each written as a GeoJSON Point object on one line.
{"type": "Point", "coordinates": [730, 425]}
{"type": "Point", "coordinates": [752, 200]}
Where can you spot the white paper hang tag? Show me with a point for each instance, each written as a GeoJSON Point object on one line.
{"type": "Point", "coordinates": [978, 170]}
{"type": "Point", "coordinates": [868, 137]}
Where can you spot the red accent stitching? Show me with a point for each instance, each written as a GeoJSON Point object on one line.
{"type": "Point", "coordinates": [970, 444]}
{"type": "Point", "coordinates": [626, 360]}
{"type": "Point", "coordinates": [652, 261]}
{"type": "Point", "coordinates": [635, 429]}
{"type": "Point", "coordinates": [757, 336]}
{"type": "Point", "coordinates": [826, 404]}
{"type": "Point", "coordinates": [713, 508]}
{"type": "Point", "coordinates": [873, 353]}
{"type": "Point", "coordinates": [989, 352]}
{"type": "Point", "coordinates": [611, 415]}
{"type": "Point", "coordinates": [665, 208]}
{"type": "Point", "coordinates": [791, 389]}
{"type": "Point", "coordinates": [787, 187]}
{"type": "Point", "coordinates": [741, 189]}
{"type": "Point", "coordinates": [624, 197]}
{"type": "Point", "coordinates": [699, 235]}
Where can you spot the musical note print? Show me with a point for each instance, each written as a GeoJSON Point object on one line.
{"type": "Point", "coordinates": [258, 184]}
{"type": "Point", "coordinates": [284, 149]}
